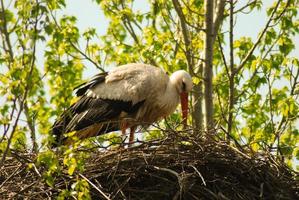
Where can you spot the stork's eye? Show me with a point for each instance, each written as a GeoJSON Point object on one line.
{"type": "Point", "coordinates": [183, 86]}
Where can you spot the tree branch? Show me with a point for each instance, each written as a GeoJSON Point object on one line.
{"type": "Point", "coordinates": [232, 69]}
{"type": "Point", "coordinates": [245, 6]}
{"type": "Point", "coordinates": [218, 17]}
{"type": "Point", "coordinates": [5, 32]}
{"type": "Point", "coordinates": [77, 48]}
{"type": "Point", "coordinates": [243, 62]}
{"type": "Point", "coordinates": [186, 36]}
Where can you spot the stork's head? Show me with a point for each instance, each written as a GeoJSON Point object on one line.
{"type": "Point", "coordinates": [183, 84]}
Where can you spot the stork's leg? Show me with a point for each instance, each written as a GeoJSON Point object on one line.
{"type": "Point", "coordinates": [132, 132]}
{"type": "Point", "coordinates": [123, 128]}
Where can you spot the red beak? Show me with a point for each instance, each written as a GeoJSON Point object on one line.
{"type": "Point", "coordinates": [184, 105]}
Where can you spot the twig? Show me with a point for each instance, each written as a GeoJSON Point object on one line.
{"type": "Point", "coordinates": [10, 176]}
{"type": "Point", "coordinates": [77, 48]}
{"type": "Point", "coordinates": [245, 6]}
{"type": "Point", "coordinates": [95, 187]}
{"type": "Point", "coordinates": [24, 189]}
{"type": "Point", "coordinates": [199, 174]}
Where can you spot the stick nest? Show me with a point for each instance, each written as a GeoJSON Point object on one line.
{"type": "Point", "coordinates": [177, 167]}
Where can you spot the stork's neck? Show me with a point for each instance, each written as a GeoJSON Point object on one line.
{"type": "Point", "coordinates": [170, 98]}
{"type": "Point", "coordinates": [173, 82]}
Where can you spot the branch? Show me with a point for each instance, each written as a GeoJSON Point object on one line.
{"type": "Point", "coordinates": [128, 26]}
{"type": "Point", "coordinates": [21, 103]}
{"type": "Point", "coordinates": [243, 62]}
{"type": "Point", "coordinates": [232, 74]}
{"type": "Point", "coordinates": [256, 70]}
{"type": "Point", "coordinates": [245, 6]}
{"type": "Point", "coordinates": [30, 122]}
{"type": "Point", "coordinates": [5, 32]}
{"type": "Point", "coordinates": [95, 187]}
{"type": "Point", "coordinates": [186, 35]}
{"type": "Point", "coordinates": [218, 17]}
{"type": "Point", "coordinates": [13, 130]}
{"type": "Point", "coordinates": [75, 47]}
{"type": "Point", "coordinates": [10, 119]}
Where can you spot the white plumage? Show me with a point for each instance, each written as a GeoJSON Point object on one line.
{"type": "Point", "coordinates": [128, 96]}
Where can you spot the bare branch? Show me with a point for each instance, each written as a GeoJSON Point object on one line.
{"type": "Point", "coordinates": [95, 187]}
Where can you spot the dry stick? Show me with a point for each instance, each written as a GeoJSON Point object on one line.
{"type": "Point", "coordinates": [95, 187]}
{"type": "Point", "coordinates": [200, 175]}
{"type": "Point", "coordinates": [120, 187]}
{"type": "Point", "coordinates": [243, 62]}
{"type": "Point", "coordinates": [10, 176]}
{"type": "Point", "coordinates": [24, 189]}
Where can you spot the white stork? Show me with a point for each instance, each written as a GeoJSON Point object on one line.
{"type": "Point", "coordinates": [126, 97]}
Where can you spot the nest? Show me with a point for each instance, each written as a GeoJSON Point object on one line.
{"type": "Point", "coordinates": [177, 167]}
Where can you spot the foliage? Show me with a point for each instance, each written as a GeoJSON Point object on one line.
{"type": "Point", "coordinates": [255, 81]}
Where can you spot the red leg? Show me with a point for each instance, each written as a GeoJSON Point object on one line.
{"type": "Point", "coordinates": [123, 128]}
{"type": "Point", "coordinates": [132, 132]}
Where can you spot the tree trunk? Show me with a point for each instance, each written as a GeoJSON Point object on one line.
{"type": "Point", "coordinates": [197, 97]}
{"type": "Point", "coordinates": [208, 65]}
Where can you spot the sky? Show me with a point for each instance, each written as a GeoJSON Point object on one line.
{"type": "Point", "coordinates": [89, 14]}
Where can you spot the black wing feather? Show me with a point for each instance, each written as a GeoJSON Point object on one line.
{"type": "Point", "coordinates": [99, 78]}
{"type": "Point", "coordinates": [88, 111]}
{"type": "Point", "coordinates": [91, 110]}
